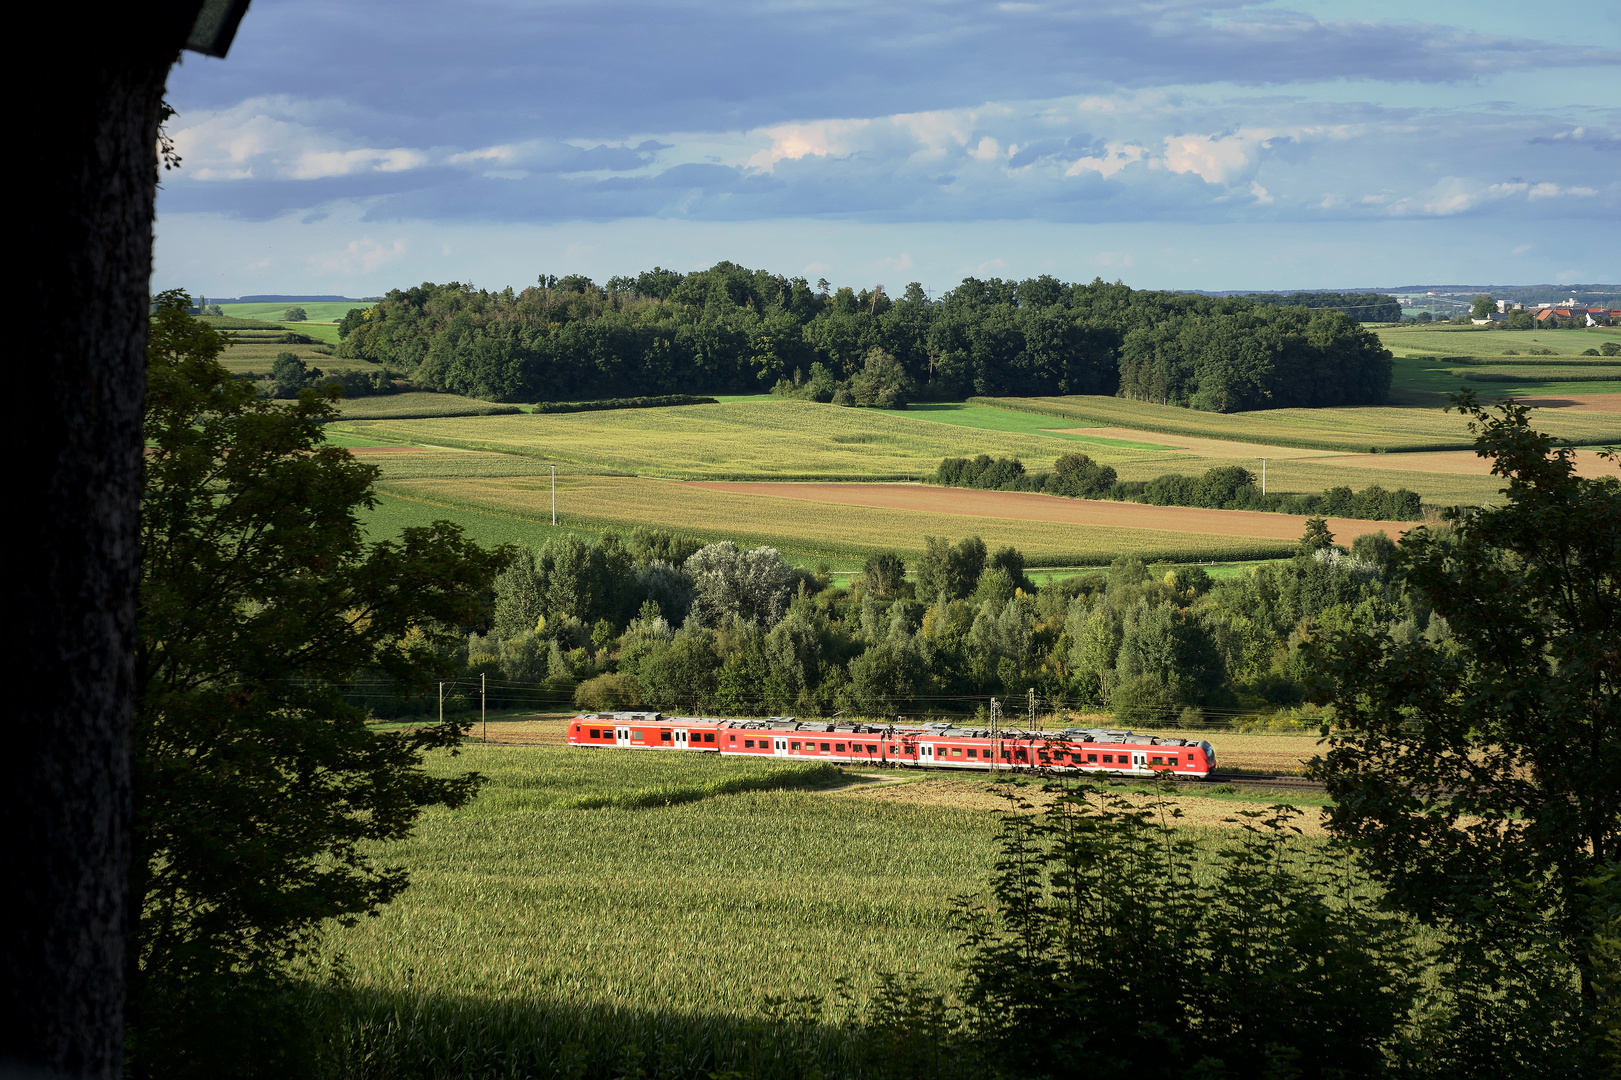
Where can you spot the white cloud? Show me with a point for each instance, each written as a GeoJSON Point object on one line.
{"type": "Point", "coordinates": [1115, 156]}
{"type": "Point", "coordinates": [270, 139]}
{"type": "Point", "coordinates": [358, 257]}
{"type": "Point", "coordinates": [1262, 196]}
{"type": "Point", "coordinates": [1212, 158]}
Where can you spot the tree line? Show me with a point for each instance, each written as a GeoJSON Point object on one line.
{"type": "Point", "coordinates": [730, 329]}
{"type": "Point", "coordinates": [664, 622]}
{"type": "Point", "coordinates": [1224, 487]}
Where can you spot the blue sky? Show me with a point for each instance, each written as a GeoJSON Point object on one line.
{"type": "Point", "coordinates": [1216, 144]}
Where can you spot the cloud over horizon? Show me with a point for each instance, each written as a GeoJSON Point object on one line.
{"type": "Point", "coordinates": [1198, 112]}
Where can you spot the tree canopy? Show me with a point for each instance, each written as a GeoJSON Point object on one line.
{"type": "Point", "coordinates": [258, 786]}
{"type": "Point", "coordinates": [731, 329]}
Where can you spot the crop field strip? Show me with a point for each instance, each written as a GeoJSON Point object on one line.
{"type": "Point", "coordinates": [1438, 341]}
{"type": "Point", "coordinates": [1358, 430]}
{"type": "Point", "coordinates": [700, 907]}
{"type": "Point", "coordinates": [815, 529]}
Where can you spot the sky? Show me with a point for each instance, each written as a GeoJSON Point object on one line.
{"type": "Point", "coordinates": [350, 148]}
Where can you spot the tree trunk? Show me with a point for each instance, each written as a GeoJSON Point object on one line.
{"type": "Point", "coordinates": [78, 355]}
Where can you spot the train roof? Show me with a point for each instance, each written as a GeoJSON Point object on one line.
{"type": "Point", "coordinates": [936, 730]}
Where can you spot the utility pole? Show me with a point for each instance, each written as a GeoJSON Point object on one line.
{"type": "Point", "coordinates": [996, 735]}
{"type": "Point", "coordinates": [441, 704]}
{"type": "Point", "coordinates": [1032, 708]}
{"type": "Point", "coordinates": [554, 494]}
{"type": "Point", "coordinates": [1263, 483]}
{"type": "Point", "coordinates": [483, 713]}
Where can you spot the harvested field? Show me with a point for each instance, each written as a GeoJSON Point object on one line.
{"type": "Point", "coordinates": [1460, 462]}
{"type": "Point", "coordinates": [1208, 447]}
{"type": "Point", "coordinates": [1606, 403]}
{"type": "Point", "coordinates": [1026, 506]}
{"type": "Point", "coordinates": [1349, 430]}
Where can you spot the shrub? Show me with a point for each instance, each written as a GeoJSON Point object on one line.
{"type": "Point", "coordinates": [608, 693]}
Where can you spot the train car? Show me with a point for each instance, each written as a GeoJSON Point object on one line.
{"type": "Point", "coordinates": [1099, 751]}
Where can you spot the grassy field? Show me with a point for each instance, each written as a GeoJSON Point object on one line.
{"type": "Point", "coordinates": [1353, 430]}
{"type": "Point", "coordinates": [414, 405]}
{"type": "Point", "coordinates": [807, 529]}
{"type": "Point", "coordinates": [1442, 341]}
{"type": "Point", "coordinates": [319, 311]}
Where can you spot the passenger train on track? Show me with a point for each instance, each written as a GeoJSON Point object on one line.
{"type": "Point", "coordinates": [939, 745]}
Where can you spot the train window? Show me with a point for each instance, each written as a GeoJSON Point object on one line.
{"type": "Point", "coordinates": [1089, 757]}
{"type": "Point", "coordinates": [793, 746]}
{"type": "Point", "coordinates": [839, 747]}
{"type": "Point", "coordinates": [956, 751]}
{"type": "Point", "coordinates": [892, 750]}
{"type": "Point", "coordinates": [635, 736]}
{"type": "Point", "coordinates": [972, 752]}
{"type": "Point", "coordinates": [709, 736]}
{"type": "Point", "coordinates": [824, 746]}
{"type": "Point", "coordinates": [595, 734]}
{"type": "Point", "coordinates": [1020, 755]}
{"type": "Point", "coordinates": [664, 736]}
{"type": "Point", "coordinates": [1155, 761]}
{"type": "Point", "coordinates": [1042, 754]}
{"type": "Point", "coordinates": [748, 743]}
{"type": "Point", "coordinates": [1108, 759]}
{"type": "Point", "coordinates": [734, 738]}
{"type": "Point", "coordinates": [871, 749]}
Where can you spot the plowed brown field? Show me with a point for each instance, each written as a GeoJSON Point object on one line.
{"type": "Point", "coordinates": [1610, 403]}
{"type": "Point", "coordinates": [1025, 506]}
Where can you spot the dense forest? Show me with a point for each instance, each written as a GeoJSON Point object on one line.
{"type": "Point", "coordinates": [729, 329]}
{"type": "Point", "coordinates": [1364, 307]}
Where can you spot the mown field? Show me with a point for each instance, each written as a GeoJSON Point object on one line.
{"type": "Point", "coordinates": [319, 311]}
{"type": "Point", "coordinates": [1437, 341]}
{"type": "Point", "coordinates": [1352, 430]}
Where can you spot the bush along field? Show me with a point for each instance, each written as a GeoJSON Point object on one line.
{"type": "Point", "coordinates": [1226, 487]}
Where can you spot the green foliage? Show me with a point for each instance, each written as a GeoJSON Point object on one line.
{"type": "Point", "coordinates": [1481, 307]}
{"type": "Point", "coordinates": [731, 329]}
{"type": "Point", "coordinates": [1515, 714]}
{"type": "Point", "coordinates": [660, 402]}
{"type": "Point", "coordinates": [884, 575]}
{"type": "Point", "coordinates": [1316, 537]}
{"type": "Point", "coordinates": [259, 790]}
{"type": "Point", "coordinates": [949, 572]}
{"type": "Point", "coordinates": [1611, 348]}
{"type": "Point", "coordinates": [608, 693]}
{"type": "Point", "coordinates": [1103, 946]}
{"type": "Point", "coordinates": [295, 314]}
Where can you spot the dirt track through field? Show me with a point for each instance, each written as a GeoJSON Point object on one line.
{"type": "Point", "coordinates": [1025, 506]}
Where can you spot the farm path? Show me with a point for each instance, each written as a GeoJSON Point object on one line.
{"type": "Point", "coordinates": [1027, 506]}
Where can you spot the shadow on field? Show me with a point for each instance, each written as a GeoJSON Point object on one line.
{"type": "Point", "coordinates": [411, 1035]}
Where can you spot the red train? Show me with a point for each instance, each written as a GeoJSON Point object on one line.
{"type": "Point", "coordinates": [1085, 750]}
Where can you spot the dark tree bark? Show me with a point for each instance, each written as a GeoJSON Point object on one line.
{"type": "Point", "coordinates": [78, 356]}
